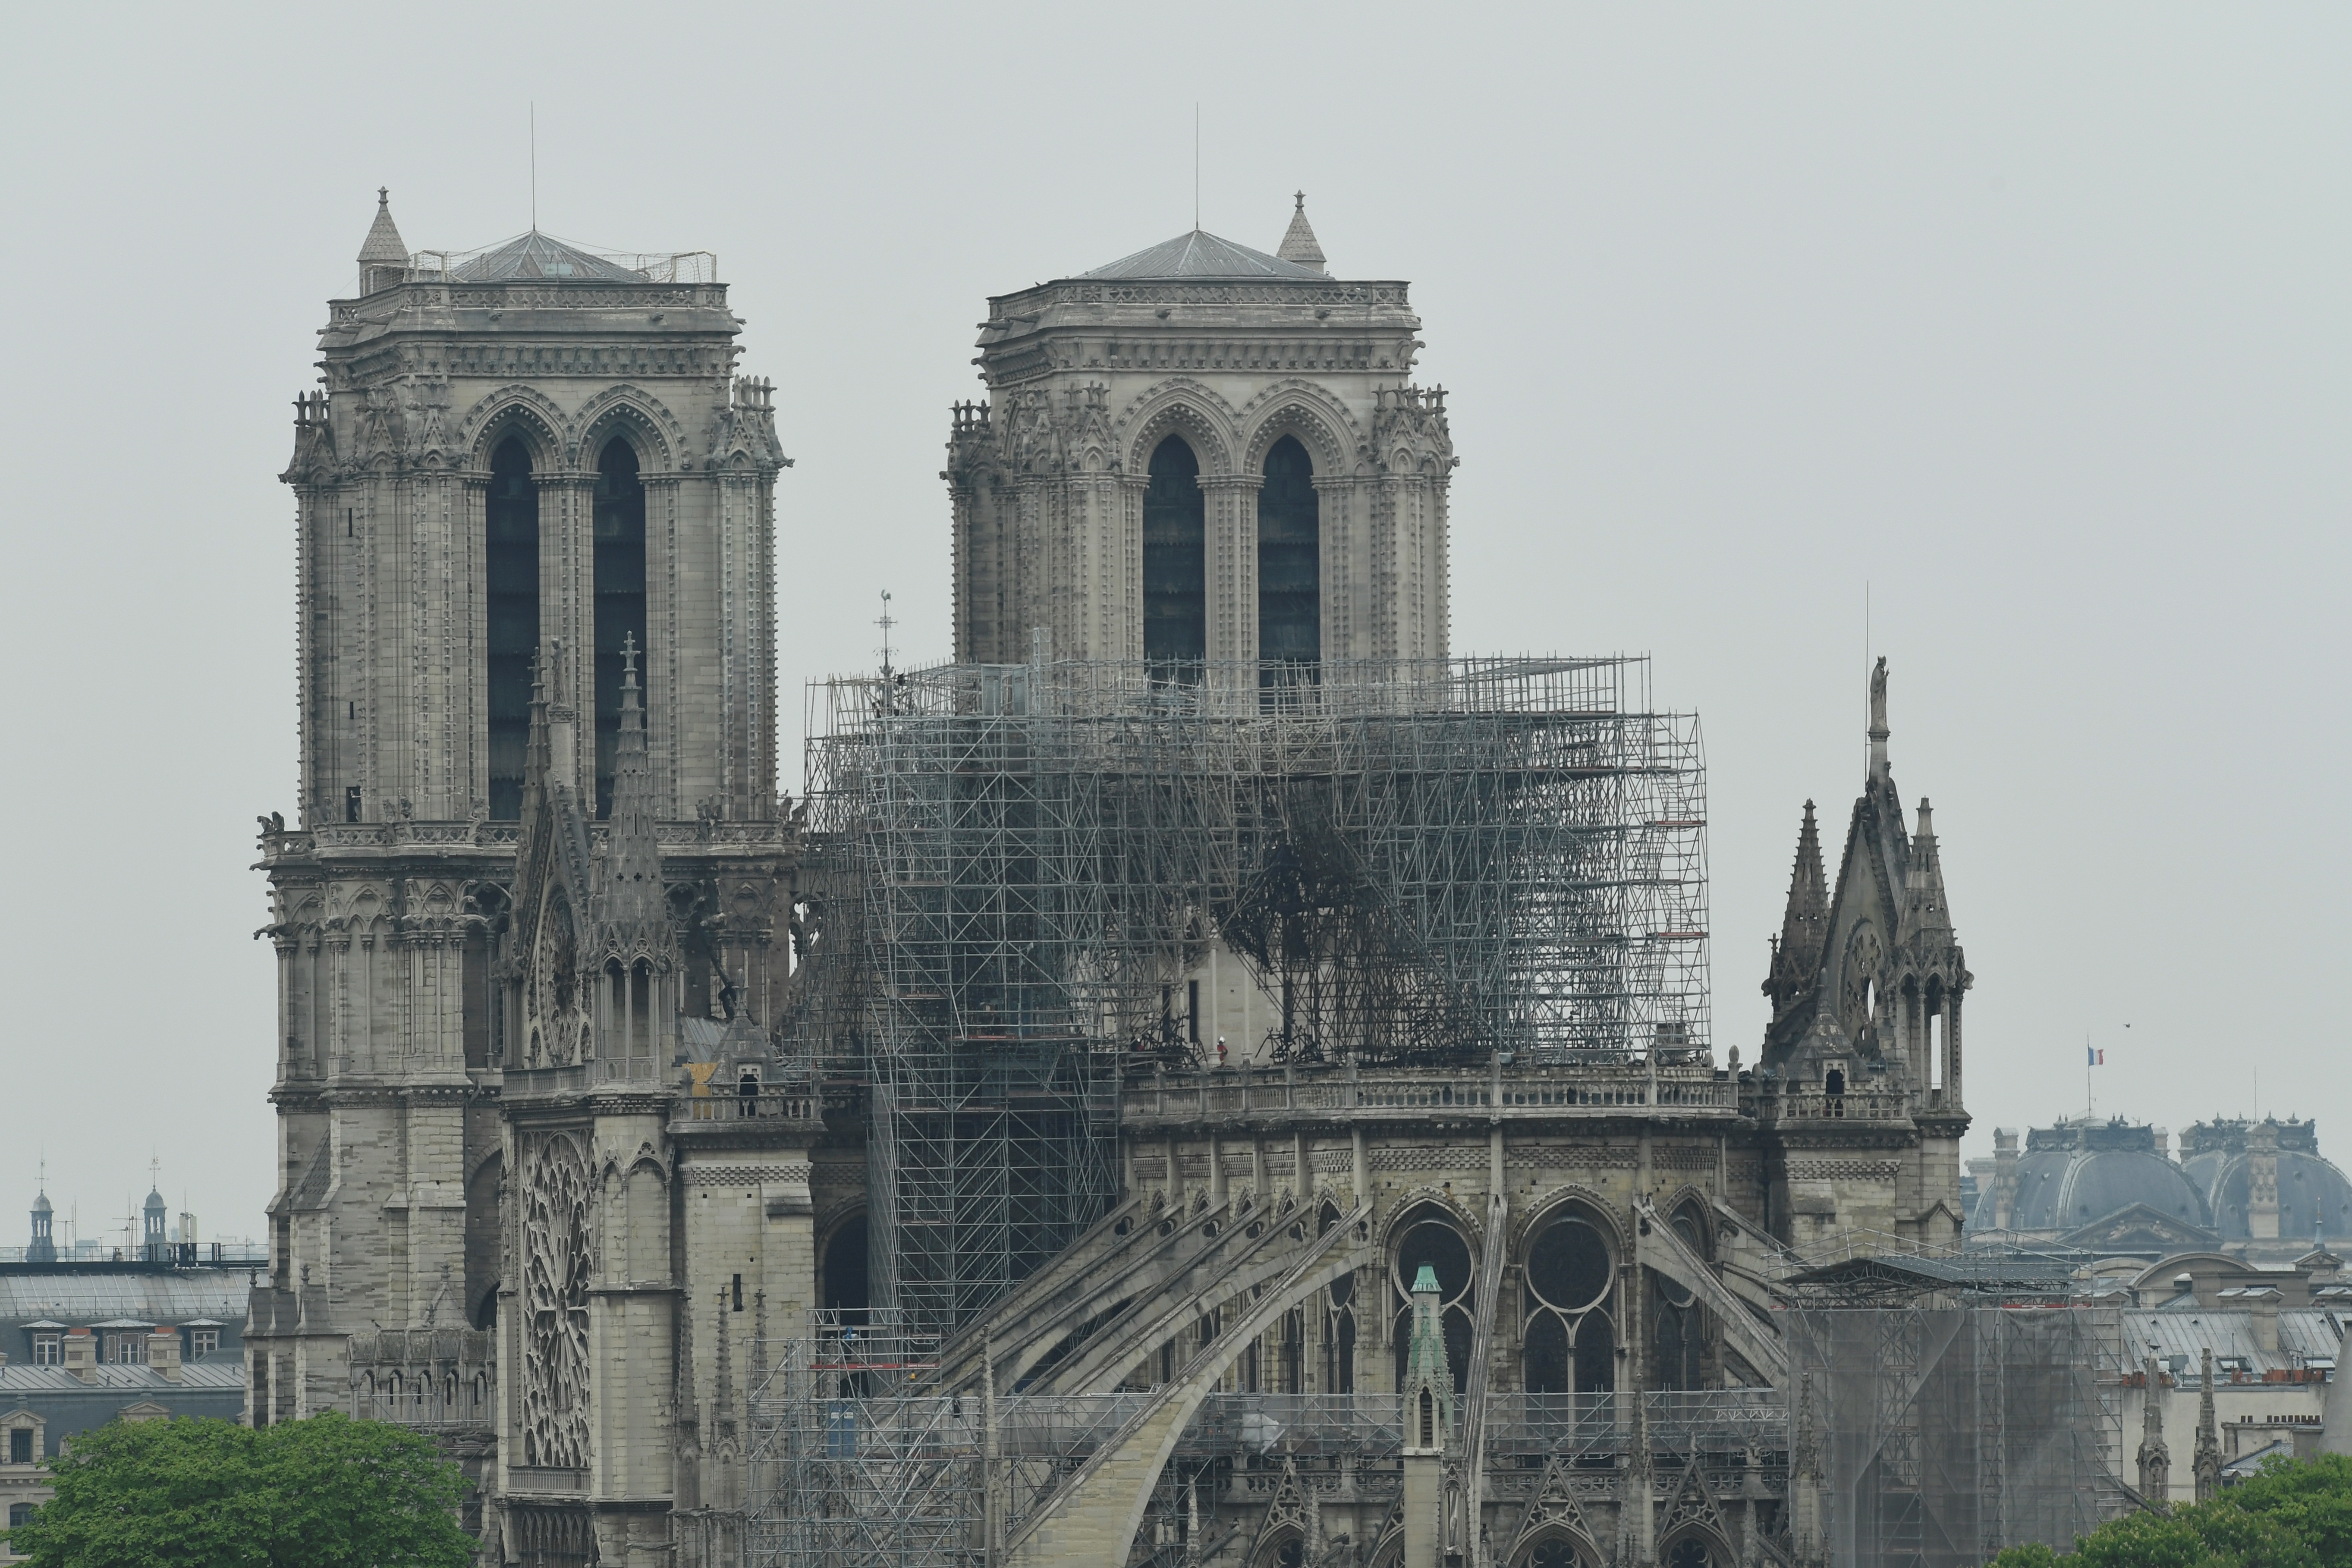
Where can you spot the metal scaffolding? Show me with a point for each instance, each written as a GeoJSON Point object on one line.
{"type": "Point", "coordinates": [1946, 1433]}
{"type": "Point", "coordinates": [858, 1460]}
{"type": "Point", "coordinates": [1419, 862]}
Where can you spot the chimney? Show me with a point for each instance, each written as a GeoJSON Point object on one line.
{"type": "Point", "coordinates": [2004, 1177]}
{"type": "Point", "coordinates": [163, 1353]}
{"type": "Point", "coordinates": [81, 1354]}
{"type": "Point", "coordinates": [2263, 1302]}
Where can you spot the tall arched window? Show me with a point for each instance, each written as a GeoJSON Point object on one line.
{"type": "Point", "coordinates": [620, 524]}
{"type": "Point", "coordinates": [1289, 566]}
{"type": "Point", "coordinates": [511, 600]}
{"type": "Point", "coordinates": [1175, 563]}
{"type": "Point", "coordinates": [1567, 1342]}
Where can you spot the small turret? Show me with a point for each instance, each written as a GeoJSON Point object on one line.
{"type": "Point", "coordinates": [152, 1218]}
{"type": "Point", "coordinates": [1298, 244]}
{"type": "Point", "coordinates": [383, 258]}
{"type": "Point", "coordinates": [43, 1246]}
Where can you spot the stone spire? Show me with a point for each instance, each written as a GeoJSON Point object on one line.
{"type": "Point", "coordinates": [1299, 243]}
{"type": "Point", "coordinates": [631, 900]}
{"type": "Point", "coordinates": [382, 259]}
{"type": "Point", "coordinates": [1425, 1368]}
{"type": "Point", "coordinates": [1804, 928]}
{"type": "Point", "coordinates": [2208, 1458]}
{"type": "Point", "coordinates": [1923, 881]}
{"type": "Point", "coordinates": [2155, 1459]}
{"type": "Point", "coordinates": [1426, 1394]}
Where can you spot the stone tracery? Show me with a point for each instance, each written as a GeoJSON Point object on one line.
{"type": "Point", "coordinates": [556, 1263]}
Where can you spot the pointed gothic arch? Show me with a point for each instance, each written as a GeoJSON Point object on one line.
{"type": "Point", "coordinates": [1175, 560]}
{"type": "Point", "coordinates": [636, 414]}
{"type": "Point", "coordinates": [618, 532]}
{"type": "Point", "coordinates": [510, 582]}
{"type": "Point", "coordinates": [1289, 564]}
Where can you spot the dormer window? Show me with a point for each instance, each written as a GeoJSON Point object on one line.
{"type": "Point", "coordinates": [1834, 1083]}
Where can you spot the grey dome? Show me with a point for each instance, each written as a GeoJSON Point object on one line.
{"type": "Point", "coordinates": [2314, 1197]}
{"type": "Point", "coordinates": [2072, 1175]}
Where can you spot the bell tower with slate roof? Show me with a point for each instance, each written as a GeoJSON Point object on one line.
{"type": "Point", "coordinates": [1203, 457]}
{"type": "Point", "coordinates": [530, 480]}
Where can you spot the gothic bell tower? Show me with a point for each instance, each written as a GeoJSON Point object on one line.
{"type": "Point", "coordinates": [1202, 454]}
{"type": "Point", "coordinates": [521, 464]}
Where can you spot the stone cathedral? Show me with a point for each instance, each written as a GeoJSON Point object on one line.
{"type": "Point", "coordinates": [566, 1181]}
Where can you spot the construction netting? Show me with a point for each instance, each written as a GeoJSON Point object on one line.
{"type": "Point", "coordinates": [1944, 1433]}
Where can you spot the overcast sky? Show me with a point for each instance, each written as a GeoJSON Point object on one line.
{"type": "Point", "coordinates": [2025, 324]}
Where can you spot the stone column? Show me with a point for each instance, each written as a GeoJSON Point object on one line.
{"type": "Point", "coordinates": [567, 614]}
{"type": "Point", "coordinates": [1230, 541]}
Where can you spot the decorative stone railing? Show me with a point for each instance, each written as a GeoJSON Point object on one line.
{"type": "Point", "coordinates": [1518, 1093]}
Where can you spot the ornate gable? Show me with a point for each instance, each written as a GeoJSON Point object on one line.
{"type": "Point", "coordinates": [1553, 1508]}
{"type": "Point", "coordinates": [554, 887]}
{"type": "Point", "coordinates": [2137, 1227]}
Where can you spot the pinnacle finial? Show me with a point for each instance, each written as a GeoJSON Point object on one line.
{"type": "Point", "coordinates": [628, 659]}
{"type": "Point", "coordinates": [1878, 730]}
{"type": "Point", "coordinates": [382, 196]}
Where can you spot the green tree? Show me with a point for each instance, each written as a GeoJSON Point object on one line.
{"type": "Point", "coordinates": [327, 1493]}
{"type": "Point", "coordinates": [2290, 1514]}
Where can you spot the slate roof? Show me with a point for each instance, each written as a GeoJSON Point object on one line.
{"type": "Point", "coordinates": [178, 1296]}
{"type": "Point", "coordinates": [540, 256]}
{"type": "Point", "coordinates": [195, 1376]}
{"type": "Point", "coordinates": [2180, 1337]}
{"type": "Point", "coordinates": [1201, 254]}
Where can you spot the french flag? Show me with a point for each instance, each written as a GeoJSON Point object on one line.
{"type": "Point", "coordinates": [2098, 1057]}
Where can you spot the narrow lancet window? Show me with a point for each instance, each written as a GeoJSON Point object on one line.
{"type": "Point", "coordinates": [1289, 568]}
{"type": "Point", "coordinates": [1175, 567]}
{"type": "Point", "coordinates": [510, 599]}
{"type": "Point", "coordinates": [620, 596]}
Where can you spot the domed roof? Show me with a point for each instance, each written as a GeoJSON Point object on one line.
{"type": "Point", "coordinates": [41, 1203]}
{"type": "Point", "coordinates": [2314, 1199]}
{"type": "Point", "coordinates": [2076, 1173]}
{"type": "Point", "coordinates": [154, 1201]}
